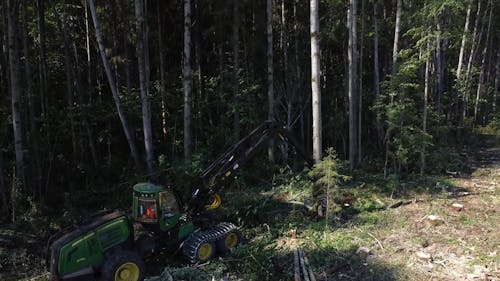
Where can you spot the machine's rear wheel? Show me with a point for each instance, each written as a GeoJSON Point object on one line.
{"type": "Point", "coordinates": [229, 241]}
{"type": "Point", "coordinates": [123, 265]}
{"type": "Point", "coordinates": [205, 252]}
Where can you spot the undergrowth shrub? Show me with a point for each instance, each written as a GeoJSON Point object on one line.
{"type": "Point", "coordinates": [326, 176]}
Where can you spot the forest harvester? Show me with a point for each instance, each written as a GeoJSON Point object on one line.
{"type": "Point", "coordinates": [113, 245]}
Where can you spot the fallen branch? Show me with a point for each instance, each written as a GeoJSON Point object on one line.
{"type": "Point", "coordinates": [402, 203]}
{"type": "Point", "coordinates": [380, 244]}
{"type": "Point", "coordinates": [310, 208]}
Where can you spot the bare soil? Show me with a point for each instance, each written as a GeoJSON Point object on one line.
{"type": "Point", "coordinates": [464, 242]}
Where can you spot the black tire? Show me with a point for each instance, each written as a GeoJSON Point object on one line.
{"type": "Point", "coordinates": [198, 250]}
{"type": "Point", "coordinates": [123, 265]}
{"type": "Point", "coordinates": [230, 241]}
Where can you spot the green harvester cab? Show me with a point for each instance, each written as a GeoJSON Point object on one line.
{"type": "Point", "coordinates": [155, 207]}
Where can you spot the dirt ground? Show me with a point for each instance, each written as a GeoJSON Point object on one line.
{"type": "Point", "coordinates": [450, 235]}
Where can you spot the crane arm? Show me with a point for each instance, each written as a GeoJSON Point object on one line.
{"type": "Point", "coordinates": [223, 170]}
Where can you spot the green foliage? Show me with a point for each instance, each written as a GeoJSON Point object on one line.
{"type": "Point", "coordinates": [328, 172]}
{"type": "Point", "coordinates": [258, 258]}
{"type": "Point", "coordinates": [493, 127]}
{"type": "Point", "coordinates": [180, 274]}
{"type": "Point", "coordinates": [327, 175]}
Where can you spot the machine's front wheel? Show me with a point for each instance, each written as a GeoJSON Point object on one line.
{"type": "Point", "coordinates": [198, 248]}
{"type": "Point", "coordinates": [123, 265]}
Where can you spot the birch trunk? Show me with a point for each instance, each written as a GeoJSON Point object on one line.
{"type": "Point", "coordinates": [69, 96]}
{"type": "Point", "coordinates": [74, 74]}
{"type": "Point", "coordinates": [3, 86]}
{"type": "Point", "coordinates": [236, 68]}
{"type": "Point", "coordinates": [36, 184]}
{"type": "Point", "coordinates": [497, 82]}
{"type": "Point", "coordinates": [376, 71]}
{"type": "Point", "coordinates": [458, 85]}
{"type": "Point", "coordinates": [187, 82]}
{"type": "Point", "coordinates": [484, 69]}
{"type": "Point", "coordinates": [353, 86]}
{"type": "Point", "coordinates": [472, 54]}
{"type": "Point", "coordinates": [142, 61]}
{"type": "Point", "coordinates": [15, 89]}
{"type": "Point", "coordinates": [112, 85]}
{"type": "Point", "coordinates": [199, 74]}
{"type": "Point", "coordinates": [163, 86]}
{"type": "Point", "coordinates": [3, 187]}
{"type": "Point", "coordinates": [298, 71]}
{"type": "Point", "coordinates": [270, 73]}
{"type": "Point", "coordinates": [315, 83]}
{"type": "Point", "coordinates": [439, 66]}
{"type": "Point", "coordinates": [42, 62]}
{"type": "Point", "coordinates": [87, 47]}
{"type": "Point", "coordinates": [426, 98]}
{"type": "Point", "coordinates": [397, 29]}
{"type": "Point", "coordinates": [360, 87]}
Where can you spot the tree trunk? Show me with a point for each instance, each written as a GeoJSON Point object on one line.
{"type": "Point", "coordinates": [360, 88]}
{"type": "Point", "coordinates": [289, 92]}
{"type": "Point", "coordinates": [187, 81]}
{"type": "Point", "coordinates": [74, 73]}
{"type": "Point", "coordinates": [141, 31]}
{"type": "Point", "coordinates": [80, 95]}
{"type": "Point", "coordinates": [458, 86]}
{"type": "Point", "coordinates": [15, 89]}
{"type": "Point", "coordinates": [296, 43]}
{"type": "Point", "coordinates": [439, 65]}
{"type": "Point", "coordinates": [36, 184]}
{"type": "Point", "coordinates": [480, 84]}
{"type": "Point", "coordinates": [236, 68]}
{"type": "Point", "coordinates": [298, 76]}
{"type": "Point", "coordinates": [376, 72]}
{"type": "Point", "coordinates": [69, 94]}
{"type": "Point", "coordinates": [3, 93]}
{"type": "Point", "coordinates": [112, 85]}
{"type": "Point", "coordinates": [315, 82]}
{"type": "Point", "coordinates": [270, 74]}
{"type": "Point", "coordinates": [352, 85]}
{"type": "Point", "coordinates": [426, 98]}
{"type": "Point", "coordinates": [397, 29]}
{"type": "Point", "coordinates": [199, 74]}
{"type": "Point", "coordinates": [42, 61]}
{"type": "Point", "coordinates": [497, 82]}
{"type": "Point", "coordinates": [3, 185]}
{"type": "Point", "coordinates": [472, 54]}
{"type": "Point", "coordinates": [163, 85]}
{"type": "Point", "coordinates": [87, 48]}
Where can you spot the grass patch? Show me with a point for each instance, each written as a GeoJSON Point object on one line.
{"type": "Point", "coordinates": [480, 172]}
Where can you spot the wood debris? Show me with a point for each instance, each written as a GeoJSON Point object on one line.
{"type": "Point", "coordinates": [302, 269]}
{"type": "Point", "coordinates": [457, 207]}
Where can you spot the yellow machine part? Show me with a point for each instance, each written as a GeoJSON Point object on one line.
{"type": "Point", "coordinates": [215, 203]}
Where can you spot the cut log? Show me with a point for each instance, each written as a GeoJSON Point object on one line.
{"type": "Point", "coordinates": [304, 269]}
{"type": "Point", "coordinates": [296, 265]}
{"type": "Point", "coordinates": [306, 261]}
